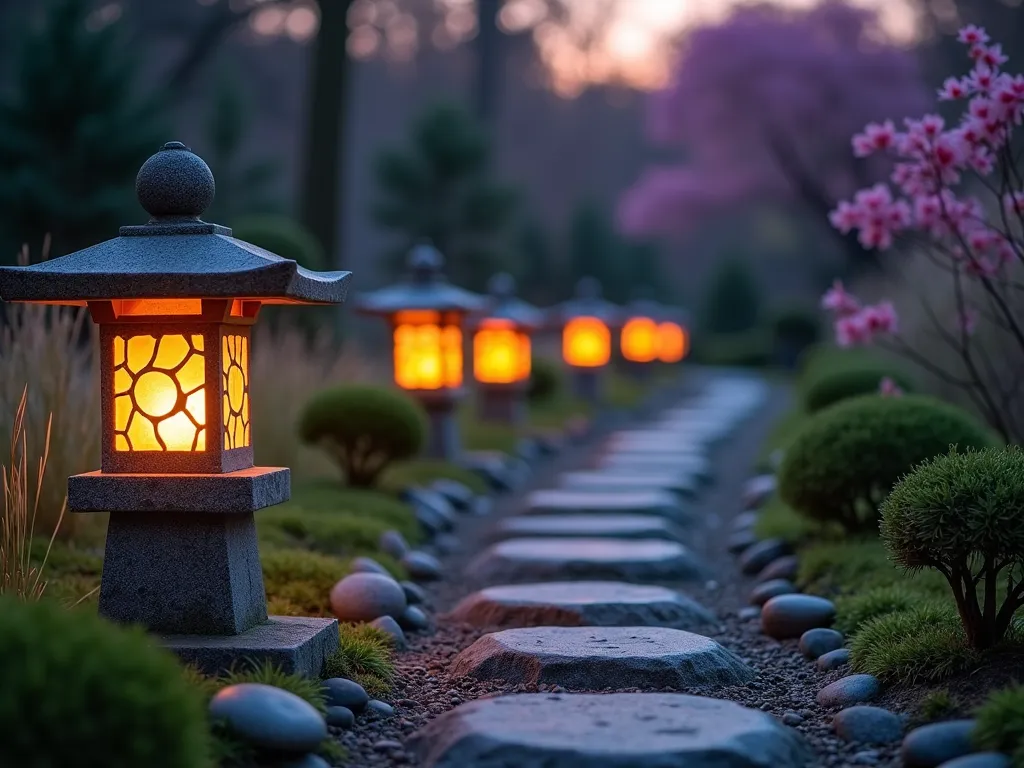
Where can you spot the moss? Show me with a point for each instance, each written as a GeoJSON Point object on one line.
{"type": "Point", "coordinates": [778, 521]}
{"type": "Point", "coordinates": [365, 655]}
{"type": "Point", "coordinates": [924, 644]}
{"type": "Point", "coordinates": [302, 578]}
{"type": "Point", "coordinates": [1000, 725]}
{"type": "Point", "coordinates": [853, 611]}
{"type": "Point", "coordinates": [856, 565]}
{"type": "Point", "coordinates": [937, 705]}
{"type": "Point", "coordinates": [424, 472]}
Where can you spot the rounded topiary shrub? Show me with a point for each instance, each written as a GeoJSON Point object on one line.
{"type": "Point", "coordinates": [829, 387]}
{"type": "Point", "coordinates": [79, 691]}
{"type": "Point", "coordinates": [545, 380]}
{"type": "Point", "coordinates": [963, 515]}
{"type": "Point", "coordinates": [364, 429]}
{"type": "Point", "coordinates": [844, 461]}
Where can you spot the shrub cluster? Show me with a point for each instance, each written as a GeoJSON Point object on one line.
{"type": "Point", "coordinates": [1000, 726]}
{"type": "Point", "coordinates": [843, 462]}
{"type": "Point", "coordinates": [962, 514]}
{"type": "Point", "coordinates": [832, 386]}
{"type": "Point", "coordinates": [81, 691]}
{"type": "Point", "coordinates": [364, 429]}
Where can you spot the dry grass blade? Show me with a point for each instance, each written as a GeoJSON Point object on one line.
{"type": "Point", "coordinates": [19, 577]}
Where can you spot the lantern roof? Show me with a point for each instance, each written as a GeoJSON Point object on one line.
{"type": "Point", "coordinates": [644, 305]}
{"type": "Point", "coordinates": [175, 255]}
{"type": "Point", "coordinates": [425, 287]}
{"type": "Point", "coordinates": [504, 305]}
{"type": "Point", "coordinates": [589, 302]}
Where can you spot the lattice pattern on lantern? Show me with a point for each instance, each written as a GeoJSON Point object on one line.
{"type": "Point", "coordinates": [428, 356]}
{"type": "Point", "coordinates": [501, 354]}
{"type": "Point", "coordinates": [235, 380]}
{"type": "Point", "coordinates": [159, 393]}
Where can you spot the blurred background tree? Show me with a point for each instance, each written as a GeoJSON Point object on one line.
{"type": "Point", "coordinates": [74, 130]}
{"type": "Point", "coordinates": [441, 188]}
{"type": "Point", "coordinates": [732, 301]}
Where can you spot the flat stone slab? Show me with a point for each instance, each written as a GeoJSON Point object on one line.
{"type": "Point", "coordinates": [683, 483]}
{"type": "Point", "coordinates": [560, 502]}
{"type": "Point", "coordinates": [656, 462]}
{"type": "Point", "coordinates": [297, 645]}
{"type": "Point", "coordinates": [592, 658]}
{"type": "Point", "coordinates": [590, 526]}
{"type": "Point", "coordinates": [516, 561]}
{"type": "Point", "coordinates": [616, 730]}
{"type": "Point", "coordinates": [581, 603]}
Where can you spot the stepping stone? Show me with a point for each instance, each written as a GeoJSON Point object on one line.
{"type": "Point", "coordinates": [590, 526]}
{"type": "Point", "coordinates": [581, 603]}
{"type": "Point", "coordinates": [635, 462]}
{"type": "Point", "coordinates": [681, 483]}
{"type": "Point", "coordinates": [556, 501]}
{"type": "Point", "coordinates": [516, 561]}
{"type": "Point", "coordinates": [592, 658]}
{"type": "Point", "coordinates": [617, 730]}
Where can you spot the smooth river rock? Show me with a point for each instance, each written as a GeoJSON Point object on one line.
{"type": "Point", "coordinates": [581, 603]}
{"type": "Point", "coordinates": [853, 689]}
{"type": "Point", "coordinates": [833, 660]}
{"type": "Point", "coordinates": [269, 718]}
{"type": "Point", "coordinates": [563, 502]}
{"type": "Point", "coordinates": [869, 725]}
{"type": "Point", "coordinates": [815, 643]}
{"type": "Point", "coordinates": [619, 730]}
{"type": "Point", "coordinates": [789, 616]}
{"type": "Point", "coordinates": [592, 658]}
{"type": "Point", "coordinates": [785, 567]}
{"type": "Point", "coordinates": [765, 591]}
{"type": "Point", "coordinates": [936, 743]}
{"type": "Point", "coordinates": [757, 556]}
{"type": "Point", "coordinates": [531, 559]}
{"type": "Point", "coordinates": [979, 760]}
{"type": "Point", "coordinates": [364, 597]}
{"type": "Point", "coordinates": [590, 526]}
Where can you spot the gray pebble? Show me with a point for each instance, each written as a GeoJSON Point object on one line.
{"type": "Point", "coordinates": [341, 692]}
{"type": "Point", "coordinates": [368, 565]}
{"type": "Point", "coordinates": [867, 757]}
{"type": "Point", "coordinates": [789, 616]}
{"type": "Point", "coordinates": [979, 760]}
{"type": "Point", "coordinates": [792, 718]}
{"type": "Point", "coordinates": [749, 613]}
{"type": "Point", "coordinates": [269, 718]}
{"type": "Point", "coordinates": [421, 567]}
{"type": "Point", "coordinates": [785, 567]}
{"type": "Point", "coordinates": [394, 631]}
{"type": "Point", "coordinates": [757, 556]}
{"type": "Point", "coordinates": [414, 593]}
{"type": "Point", "coordinates": [340, 717]}
{"type": "Point", "coordinates": [934, 744]}
{"type": "Point", "coordinates": [765, 591]}
{"type": "Point", "coordinates": [846, 691]}
{"type": "Point", "coordinates": [870, 725]}
{"type": "Point", "coordinates": [393, 543]}
{"type": "Point", "coordinates": [388, 745]}
{"type": "Point", "coordinates": [414, 619]}
{"type": "Point", "coordinates": [833, 660]}
{"type": "Point", "coordinates": [815, 643]}
{"type": "Point", "coordinates": [380, 708]}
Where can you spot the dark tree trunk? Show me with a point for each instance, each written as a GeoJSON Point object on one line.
{"type": "Point", "coordinates": [487, 86]}
{"type": "Point", "coordinates": [321, 203]}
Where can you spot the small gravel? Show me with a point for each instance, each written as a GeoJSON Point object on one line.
{"type": "Point", "coordinates": [785, 687]}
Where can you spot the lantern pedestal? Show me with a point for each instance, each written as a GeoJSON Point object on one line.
{"type": "Point", "coordinates": [587, 384]}
{"type": "Point", "coordinates": [443, 441]}
{"type": "Point", "coordinates": [502, 403]}
{"type": "Point", "coordinates": [182, 561]}
{"type": "Point", "coordinates": [641, 371]}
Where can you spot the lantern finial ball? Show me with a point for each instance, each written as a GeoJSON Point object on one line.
{"type": "Point", "coordinates": [588, 288]}
{"type": "Point", "coordinates": [502, 285]}
{"type": "Point", "coordinates": [175, 184]}
{"type": "Point", "coordinates": [425, 262]}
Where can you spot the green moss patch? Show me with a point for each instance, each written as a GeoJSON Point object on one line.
{"type": "Point", "coordinates": [1000, 725]}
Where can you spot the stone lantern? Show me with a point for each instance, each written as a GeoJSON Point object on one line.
{"type": "Point", "coordinates": [427, 315]}
{"type": "Point", "coordinates": [501, 352]}
{"type": "Point", "coordinates": [639, 338]}
{"type": "Point", "coordinates": [175, 300]}
{"type": "Point", "coordinates": [588, 323]}
{"type": "Point", "coordinates": [673, 337]}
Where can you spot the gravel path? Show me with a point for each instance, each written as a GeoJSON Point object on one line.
{"type": "Point", "coordinates": [787, 683]}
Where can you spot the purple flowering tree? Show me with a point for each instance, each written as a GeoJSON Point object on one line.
{"type": "Point", "coordinates": [763, 106]}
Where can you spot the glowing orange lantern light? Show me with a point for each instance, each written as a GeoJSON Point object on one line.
{"type": "Point", "coordinates": [501, 353]}
{"type": "Point", "coordinates": [673, 342]}
{"type": "Point", "coordinates": [586, 342]}
{"type": "Point", "coordinates": [639, 340]}
{"type": "Point", "coordinates": [587, 322]}
{"type": "Point", "coordinates": [428, 349]}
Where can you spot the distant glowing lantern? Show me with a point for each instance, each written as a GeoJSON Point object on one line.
{"type": "Point", "coordinates": [588, 323]}
{"type": "Point", "coordinates": [501, 351]}
{"type": "Point", "coordinates": [427, 315]}
{"type": "Point", "coordinates": [639, 341]}
{"type": "Point", "coordinates": [673, 342]}
{"type": "Point", "coordinates": [175, 300]}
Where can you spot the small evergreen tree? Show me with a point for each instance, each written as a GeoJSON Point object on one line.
{"type": "Point", "coordinates": [440, 188]}
{"type": "Point", "coordinates": [733, 301]}
{"type": "Point", "coordinates": [73, 133]}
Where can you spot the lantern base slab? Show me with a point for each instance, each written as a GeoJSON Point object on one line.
{"type": "Point", "coordinates": [186, 573]}
{"type": "Point", "coordinates": [298, 645]}
{"type": "Point", "coordinates": [246, 490]}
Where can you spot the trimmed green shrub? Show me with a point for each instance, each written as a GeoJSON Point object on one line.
{"type": "Point", "coordinates": [962, 514]}
{"type": "Point", "coordinates": [364, 429]}
{"type": "Point", "coordinates": [1000, 724]}
{"type": "Point", "coordinates": [546, 381]}
{"type": "Point", "coordinates": [81, 691]}
{"type": "Point", "coordinates": [283, 236]}
{"type": "Point", "coordinates": [852, 611]}
{"type": "Point", "coordinates": [843, 462]}
{"type": "Point", "coordinates": [830, 387]}
{"type": "Point", "coordinates": [924, 644]}
{"type": "Point", "coordinates": [365, 655]}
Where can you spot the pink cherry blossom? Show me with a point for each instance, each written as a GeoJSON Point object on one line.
{"type": "Point", "coordinates": [889, 388]}
{"type": "Point", "coordinates": [972, 35]}
{"type": "Point", "coordinates": [839, 301]}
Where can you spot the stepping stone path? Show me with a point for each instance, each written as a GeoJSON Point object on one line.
{"type": "Point", "coordinates": [587, 658]}
{"type": "Point", "coordinates": [590, 526]}
{"type": "Point", "coordinates": [540, 559]}
{"type": "Point", "coordinates": [575, 583]}
{"type": "Point", "coordinates": [653, 730]}
{"type": "Point", "coordinates": [582, 603]}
